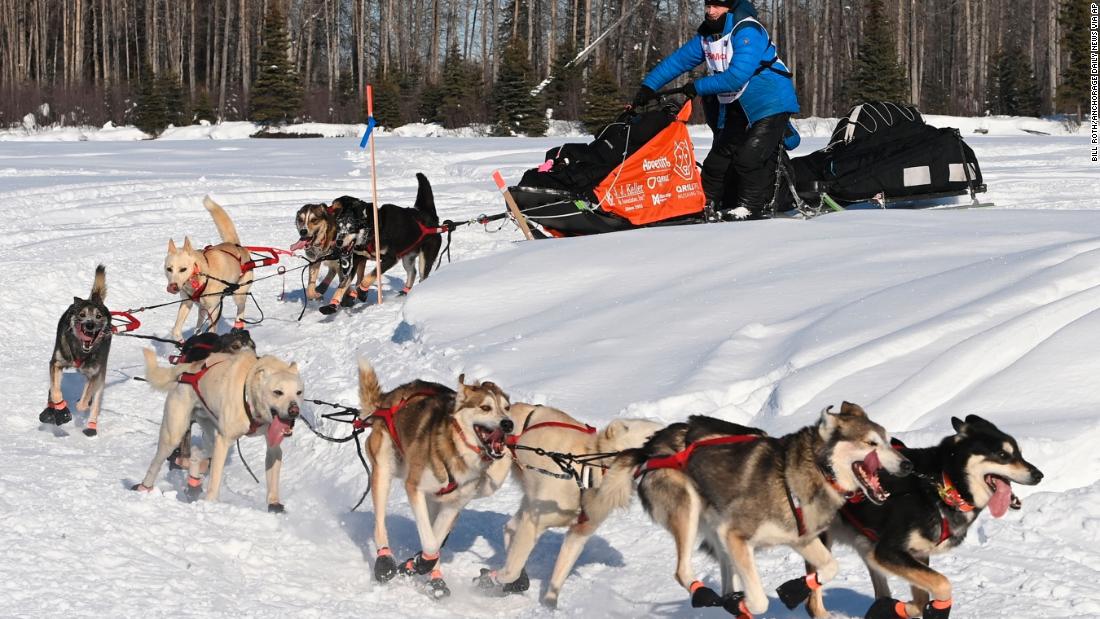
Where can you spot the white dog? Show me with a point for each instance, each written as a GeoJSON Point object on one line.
{"type": "Point", "coordinates": [550, 501]}
{"type": "Point", "coordinates": [230, 396]}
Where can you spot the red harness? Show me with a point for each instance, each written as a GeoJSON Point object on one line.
{"type": "Point", "coordinates": [948, 493]}
{"type": "Point", "coordinates": [513, 439]}
{"type": "Point", "coordinates": [679, 459]}
{"type": "Point", "coordinates": [193, 378]}
{"type": "Point", "coordinates": [387, 415]}
{"type": "Point", "coordinates": [425, 232]}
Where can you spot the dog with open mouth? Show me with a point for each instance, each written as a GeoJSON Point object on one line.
{"type": "Point", "coordinates": [742, 489]}
{"type": "Point", "coordinates": [317, 226]}
{"type": "Point", "coordinates": [83, 342]}
{"type": "Point", "coordinates": [230, 395]}
{"type": "Point", "coordinates": [448, 447]}
{"type": "Point", "coordinates": [929, 512]}
{"type": "Point", "coordinates": [409, 235]}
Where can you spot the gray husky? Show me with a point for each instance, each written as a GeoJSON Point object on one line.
{"type": "Point", "coordinates": [83, 342]}
{"type": "Point", "coordinates": [742, 489]}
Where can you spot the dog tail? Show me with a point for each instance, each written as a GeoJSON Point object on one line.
{"type": "Point", "coordinates": [225, 226]}
{"type": "Point", "coordinates": [616, 487]}
{"type": "Point", "coordinates": [370, 393]}
{"type": "Point", "coordinates": [425, 200]}
{"type": "Point", "coordinates": [99, 285]}
{"type": "Point", "coordinates": [159, 378]}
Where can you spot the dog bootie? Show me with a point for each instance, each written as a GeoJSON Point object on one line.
{"type": "Point", "coordinates": [937, 609]}
{"type": "Point", "coordinates": [519, 585]}
{"type": "Point", "coordinates": [349, 299]}
{"type": "Point", "coordinates": [437, 587]}
{"type": "Point", "coordinates": [56, 413]}
{"type": "Point", "coordinates": [887, 608]}
{"type": "Point", "coordinates": [794, 592]}
{"type": "Point", "coordinates": [276, 508]}
{"type": "Point", "coordinates": [385, 568]}
{"type": "Point", "coordinates": [488, 584]}
{"type": "Point", "coordinates": [419, 565]}
{"type": "Point", "coordinates": [91, 429]}
{"type": "Point", "coordinates": [329, 309]}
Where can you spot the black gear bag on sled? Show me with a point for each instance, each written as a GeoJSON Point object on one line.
{"type": "Point", "coordinates": [639, 171]}
{"type": "Point", "coordinates": [883, 155]}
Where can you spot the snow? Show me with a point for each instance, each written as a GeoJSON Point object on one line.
{"type": "Point", "coordinates": [918, 316]}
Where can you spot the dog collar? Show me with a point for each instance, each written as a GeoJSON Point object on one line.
{"type": "Point", "coordinates": [197, 287]}
{"type": "Point", "coordinates": [462, 435]}
{"type": "Point", "coordinates": [950, 495]}
{"type": "Point", "coordinates": [850, 496]}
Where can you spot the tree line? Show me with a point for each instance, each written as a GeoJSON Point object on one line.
{"type": "Point", "coordinates": [477, 61]}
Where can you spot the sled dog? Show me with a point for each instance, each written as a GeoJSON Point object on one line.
{"type": "Point", "coordinates": [929, 512]}
{"type": "Point", "coordinates": [203, 275]}
{"type": "Point", "coordinates": [83, 342]}
{"type": "Point", "coordinates": [196, 348]}
{"type": "Point", "coordinates": [406, 234]}
{"type": "Point", "coordinates": [742, 489]}
{"type": "Point", "coordinates": [550, 501]}
{"type": "Point", "coordinates": [447, 446]}
{"type": "Point", "coordinates": [316, 224]}
{"type": "Point", "coordinates": [230, 396]}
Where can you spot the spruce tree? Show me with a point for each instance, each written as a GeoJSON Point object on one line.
{"type": "Point", "coordinates": [276, 93]}
{"type": "Point", "coordinates": [387, 101]}
{"type": "Point", "coordinates": [171, 93]}
{"type": "Point", "coordinates": [149, 111]}
{"type": "Point", "coordinates": [517, 111]}
{"type": "Point", "coordinates": [564, 94]}
{"type": "Point", "coordinates": [202, 109]}
{"type": "Point", "coordinates": [1073, 89]}
{"type": "Point", "coordinates": [1013, 90]}
{"type": "Point", "coordinates": [459, 91]}
{"type": "Point", "coordinates": [603, 100]}
{"type": "Point", "coordinates": [876, 74]}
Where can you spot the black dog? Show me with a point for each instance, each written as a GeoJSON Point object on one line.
{"type": "Point", "coordinates": [405, 234]}
{"type": "Point", "coordinates": [83, 342]}
{"type": "Point", "coordinates": [196, 348]}
{"type": "Point", "coordinates": [929, 512]}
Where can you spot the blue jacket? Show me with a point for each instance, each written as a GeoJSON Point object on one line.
{"type": "Point", "coordinates": [768, 93]}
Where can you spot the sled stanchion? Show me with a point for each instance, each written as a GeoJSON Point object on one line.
{"type": "Point", "coordinates": [374, 192]}
{"type": "Point", "coordinates": [512, 206]}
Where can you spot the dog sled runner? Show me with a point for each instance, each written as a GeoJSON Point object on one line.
{"type": "Point", "coordinates": [639, 171]}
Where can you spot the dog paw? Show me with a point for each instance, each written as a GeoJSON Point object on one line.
{"type": "Point", "coordinates": [56, 416]}
{"type": "Point", "coordinates": [794, 592]}
{"type": "Point", "coordinates": [550, 602]}
{"type": "Point", "coordinates": [438, 588]}
{"type": "Point", "coordinates": [887, 608]}
{"type": "Point", "coordinates": [140, 488]}
{"type": "Point", "coordinates": [418, 565]}
{"type": "Point", "coordinates": [385, 568]}
{"type": "Point", "coordinates": [276, 508]}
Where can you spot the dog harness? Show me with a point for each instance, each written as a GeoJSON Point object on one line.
{"type": "Point", "coordinates": [425, 232]}
{"type": "Point", "coordinates": [512, 440]}
{"type": "Point", "coordinates": [948, 494]}
{"type": "Point", "coordinates": [193, 378]}
{"type": "Point", "coordinates": [387, 415]}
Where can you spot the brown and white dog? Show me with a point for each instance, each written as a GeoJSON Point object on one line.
{"type": "Point", "coordinates": [551, 501]}
{"type": "Point", "coordinates": [742, 490]}
{"type": "Point", "coordinates": [230, 396]}
{"type": "Point", "coordinates": [204, 275]}
{"type": "Point", "coordinates": [316, 225]}
{"type": "Point", "coordinates": [447, 446]}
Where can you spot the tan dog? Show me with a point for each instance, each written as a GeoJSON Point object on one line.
{"type": "Point", "coordinates": [447, 446]}
{"type": "Point", "coordinates": [230, 396]}
{"type": "Point", "coordinates": [550, 501]}
{"type": "Point", "coordinates": [203, 275]}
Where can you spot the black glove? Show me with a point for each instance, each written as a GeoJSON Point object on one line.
{"type": "Point", "coordinates": [644, 95]}
{"type": "Point", "coordinates": [688, 90]}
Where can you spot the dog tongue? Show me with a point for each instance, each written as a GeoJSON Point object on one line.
{"type": "Point", "coordinates": [275, 433]}
{"type": "Point", "coordinates": [301, 244]}
{"type": "Point", "coordinates": [871, 462]}
{"type": "Point", "coordinates": [1002, 496]}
